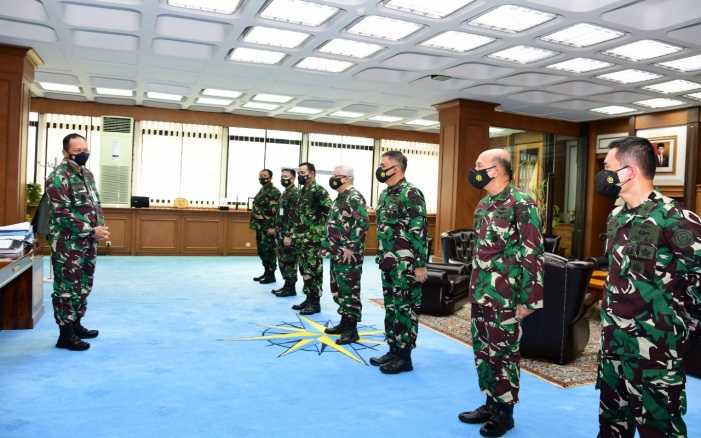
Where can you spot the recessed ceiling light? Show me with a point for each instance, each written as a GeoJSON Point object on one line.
{"type": "Point", "coordinates": [347, 114]}
{"type": "Point", "coordinates": [580, 65]}
{"type": "Point", "coordinates": [114, 92]}
{"type": "Point", "coordinates": [374, 26]}
{"type": "Point", "coordinates": [275, 98]}
{"type": "Point", "coordinates": [495, 131]}
{"type": "Point", "coordinates": [323, 64]}
{"type": "Point", "coordinates": [523, 54]}
{"type": "Point", "coordinates": [672, 87]}
{"type": "Point", "coordinates": [659, 102]}
{"type": "Point", "coordinates": [583, 35]}
{"type": "Point", "coordinates": [214, 101]}
{"type": "Point", "coordinates": [221, 93]}
{"type": "Point", "coordinates": [643, 49]}
{"type": "Point", "coordinates": [629, 76]}
{"type": "Point", "coordinates": [61, 88]}
{"type": "Point", "coordinates": [512, 18]}
{"type": "Point", "coordinates": [218, 6]}
{"type": "Point", "coordinates": [271, 36]}
{"type": "Point", "coordinates": [691, 63]}
{"type": "Point", "coordinates": [613, 110]}
{"type": "Point", "coordinates": [457, 41]}
{"type": "Point", "coordinates": [303, 110]}
{"type": "Point", "coordinates": [421, 122]}
{"type": "Point", "coordinates": [244, 54]}
{"type": "Point", "coordinates": [261, 106]}
{"type": "Point", "coordinates": [354, 49]}
{"type": "Point", "coordinates": [436, 9]}
{"type": "Point", "coordinates": [299, 12]}
{"type": "Point", "coordinates": [385, 119]}
{"type": "Point", "coordinates": [163, 96]}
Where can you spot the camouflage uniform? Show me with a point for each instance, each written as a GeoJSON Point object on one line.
{"type": "Point", "coordinates": [346, 228]}
{"type": "Point", "coordinates": [402, 232]}
{"type": "Point", "coordinates": [75, 212]}
{"type": "Point", "coordinates": [507, 271]}
{"type": "Point", "coordinates": [310, 226]}
{"type": "Point", "coordinates": [284, 222]}
{"type": "Point", "coordinates": [263, 215]}
{"type": "Point", "coordinates": [651, 303]}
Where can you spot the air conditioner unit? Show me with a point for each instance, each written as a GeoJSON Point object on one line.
{"type": "Point", "coordinates": [116, 146]}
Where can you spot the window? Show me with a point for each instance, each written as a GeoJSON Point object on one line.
{"type": "Point", "coordinates": [58, 126]}
{"type": "Point", "coordinates": [422, 167]}
{"type": "Point", "coordinates": [328, 151]}
{"type": "Point", "coordinates": [32, 147]}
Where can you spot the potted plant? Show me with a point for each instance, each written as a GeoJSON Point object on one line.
{"type": "Point", "coordinates": [33, 192]}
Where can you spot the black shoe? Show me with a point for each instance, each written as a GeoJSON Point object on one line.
{"type": "Point", "coordinates": [288, 290]}
{"type": "Point", "coordinates": [260, 277]}
{"type": "Point", "coordinates": [350, 332]}
{"type": "Point", "coordinates": [479, 415]}
{"type": "Point", "coordinates": [311, 308]}
{"type": "Point", "coordinates": [68, 340]}
{"type": "Point", "coordinates": [301, 305]}
{"type": "Point", "coordinates": [268, 278]}
{"type": "Point", "coordinates": [400, 363]}
{"type": "Point", "coordinates": [338, 328]}
{"type": "Point", "coordinates": [385, 358]}
{"type": "Point", "coordinates": [279, 290]}
{"type": "Point", "coordinates": [501, 422]}
{"type": "Point", "coordinates": [82, 332]}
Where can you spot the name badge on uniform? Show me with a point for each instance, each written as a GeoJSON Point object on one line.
{"type": "Point", "coordinates": [646, 233]}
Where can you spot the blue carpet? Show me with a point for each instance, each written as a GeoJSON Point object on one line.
{"type": "Point", "coordinates": [160, 369]}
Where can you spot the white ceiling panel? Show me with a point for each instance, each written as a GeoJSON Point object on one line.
{"type": "Point", "coordinates": [60, 78]}
{"type": "Point", "coordinates": [576, 5]}
{"type": "Point", "coordinates": [579, 88]}
{"type": "Point", "coordinates": [402, 112]}
{"type": "Point", "coordinates": [620, 97]}
{"type": "Point", "coordinates": [538, 97]}
{"type": "Point", "coordinates": [24, 9]}
{"type": "Point", "coordinates": [384, 74]}
{"type": "Point", "coordinates": [182, 49]}
{"type": "Point", "coordinates": [576, 104]}
{"type": "Point", "coordinates": [358, 108]}
{"type": "Point", "coordinates": [321, 104]}
{"type": "Point", "coordinates": [189, 29]}
{"type": "Point", "coordinates": [113, 83]}
{"type": "Point", "coordinates": [16, 30]}
{"type": "Point", "coordinates": [115, 101]}
{"type": "Point", "coordinates": [101, 17]}
{"type": "Point", "coordinates": [104, 40]}
{"type": "Point", "coordinates": [492, 89]}
{"type": "Point", "coordinates": [532, 79]}
{"type": "Point", "coordinates": [478, 71]}
{"type": "Point", "coordinates": [417, 61]}
{"type": "Point", "coordinates": [442, 83]}
{"type": "Point", "coordinates": [655, 14]}
{"type": "Point", "coordinates": [689, 34]}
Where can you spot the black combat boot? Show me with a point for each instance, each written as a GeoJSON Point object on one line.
{"type": "Point", "coordinates": [280, 289]}
{"type": "Point", "coordinates": [301, 305]}
{"type": "Point", "coordinates": [312, 306]}
{"type": "Point", "coordinates": [501, 422]}
{"type": "Point", "coordinates": [268, 277]}
{"type": "Point", "coordinates": [338, 328]}
{"type": "Point", "coordinates": [400, 363]}
{"type": "Point", "coordinates": [479, 415]}
{"type": "Point", "coordinates": [261, 276]}
{"type": "Point", "coordinates": [288, 290]}
{"type": "Point", "coordinates": [350, 332]}
{"type": "Point", "coordinates": [68, 340]}
{"type": "Point", "coordinates": [385, 358]}
{"type": "Point", "coordinates": [82, 332]}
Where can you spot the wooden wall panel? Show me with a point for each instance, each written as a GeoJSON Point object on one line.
{"type": "Point", "coordinates": [157, 234]}
{"type": "Point", "coordinates": [240, 238]}
{"type": "Point", "coordinates": [203, 235]}
{"type": "Point", "coordinates": [120, 226]}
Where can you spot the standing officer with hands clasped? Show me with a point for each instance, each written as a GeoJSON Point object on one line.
{"type": "Point", "coordinates": [263, 214]}
{"type": "Point", "coordinates": [284, 225]}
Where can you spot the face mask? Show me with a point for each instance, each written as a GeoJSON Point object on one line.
{"type": "Point", "coordinates": [608, 183]}
{"type": "Point", "coordinates": [479, 178]}
{"type": "Point", "coordinates": [81, 158]}
{"type": "Point", "coordinates": [263, 181]}
{"type": "Point", "coordinates": [302, 179]}
{"type": "Point", "coordinates": [335, 182]}
{"type": "Point", "coordinates": [286, 182]}
{"type": "Point", "coordinates": [381, 174]}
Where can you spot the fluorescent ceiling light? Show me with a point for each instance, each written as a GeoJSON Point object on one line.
{"type": "Point", "coordinates": [582, 35]}
{"type": "Point", "coordinates": [512, 18]}
{"type": "Point", "coordinates": [659, 102]}
{"type": "Point", "coordinates": [61, 88]}
{"type": "Point", "coordinates": [691, 63]}
{"type": "Point", "coordinates": [523, 54]}
{"type": "Point", "coordinates": [580, 65]}
{"type": "Point", "coordinates": [496, 131]}
{"type": "Point", "coordinates": [214, 101]}
{"type": "Point", "coordinates": [271, 36]}
{"type": "Point", "coordinates": [385, 119]}
{"type": "Point", "coordinates": [457, 41]}
{"type": "Point", "coordinates": [676, 86]}
{"type": "Point", "coordinates": [221, 93]}
{"type": "Point", "coordinates": [354, 49]}
{"type": "Point", "coordinates": [163, 96]}
{"type": "Point", "coordinates": [374, 26]}
{"type": "Point", "coordinates": [432, 9]}
{"type": "Point", "coordinates": [696, 96]}
{"type": "Point", "coordinates": [275, 98]}
{"type": "Point", "coordinates": [303, 110]}
{"type": "Point", "coordinates": [323, 64]}
{"type": "Point", "coordinates": [114, 92]}
{"type": "Point", "coordinates": [261, 106]}
{"type": "Point", "coordinates": [299, 12]}
{"type": "Point", "coordinates": [613, 110]}
{"type": "Point", "coordinates": [244, 54]}
{"type": "Point", "coordinates": [347, 114]}
{"type": "Point", "coordinates": [217, 6]}
{"type": "Point", "coordinates": [421, 122]}
{"type": "Point", "coordinates": [643, 49]}
{"type": "Point", "coordinates": [629, 76]}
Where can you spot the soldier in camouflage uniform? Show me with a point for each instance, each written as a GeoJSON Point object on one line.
{"type": "Point", "coordinates": [76, 224]}
{"type": "Point", "coordinates": [402, 232]}
{"type": "Point", "coordinates": [263, 214]}
{"type": "Point", "coordinates": [309, 229]}
{"type": "Point", "coordinates": [284, 223]}
{"type": "Point", "coordinates": [506, 285]}
{"type": "Point", "coordinates": [345, 242]}
{"type": "Point", "coordinates": [651, 301]}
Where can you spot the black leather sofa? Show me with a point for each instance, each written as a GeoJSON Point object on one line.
{"type": "Point", "coordinates": [551, 243]}
{"type": "Point", "coordinates": [456, 246]}
{"type": "Point", "coordinates": [446, 288]}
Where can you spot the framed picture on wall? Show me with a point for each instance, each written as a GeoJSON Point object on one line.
{"type": "Point", "coordinates": [669, 146]}
{"type": "Point", "coordinates": [603, 141]}
{"type": "Point", "coordinates": [664, 148]}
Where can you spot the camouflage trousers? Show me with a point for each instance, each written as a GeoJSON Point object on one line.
{"type": "Point", "coordinates": [651, 400]}
{"type": "Point", "coordinates": [266, 249]}
{"type": "Point", "coordinates": [287, 259]}
{"type": "Point", "coordinates": [402, 296]}
{"type": "Point", "coordinates": [495, 341]}
{"type": "Point", "coordinates": [73, 264]}
{"type": "Point", "coordinates": [345, 286]}
{"type": "Point", "coordinates": [311, 267]}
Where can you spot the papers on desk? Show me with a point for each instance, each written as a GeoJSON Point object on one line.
{"type": "Point", "coordinates": [13, 239]}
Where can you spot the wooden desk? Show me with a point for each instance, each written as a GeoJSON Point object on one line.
{"type": "Point", "coordinates": [21, 292]}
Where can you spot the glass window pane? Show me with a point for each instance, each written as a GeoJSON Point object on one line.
{"type": "Point", "coordinates": [282, 150]}
{"type": "Point", "coordinates": [32, 147]}
{"type": "Point", "coordinates": [422, 167]}
{"type": "Point", "coordinates": [246, 159]}
{"type": "Point", "coordinates": [201, 163]}
{"type": "Point", "coordinates": [160, 160]}
{"type": "Point", "coordinates": [57, 127]}
{"type": "Point", "coordinates": [328, 151]}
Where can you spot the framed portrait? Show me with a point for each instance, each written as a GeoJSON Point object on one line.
{"type": "Point", "coordinates": [664, 148]}
{"type": "Point", "coordinates": [603, 141]}
{"type": "Point", "coordinates": [669, 146]}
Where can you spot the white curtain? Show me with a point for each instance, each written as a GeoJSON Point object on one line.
{"type": "Point", "coordinates": [201, 158]}
{"type": "Point", "coordinates": [160, 158]}
{"type": "Point", "coordinates": [422, 167]}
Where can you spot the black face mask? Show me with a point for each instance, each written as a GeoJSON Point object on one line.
{"type": "Point", "coordinates": [302, 179]}
{"type": "Point", "coordinates": [479, 178]}
{"type": "Point", "coordinates": [286, 182]}
{"type": "Point", "coordinates": [608, 183]}
{"type": "Point", "coordinates": [263, 181]}
{"type": "Point", "coordinates": [335, 182]}
{"type": "Point", "coordinates": [381, 174]}
{"type": "Point", "coordinates": [81, 158]}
